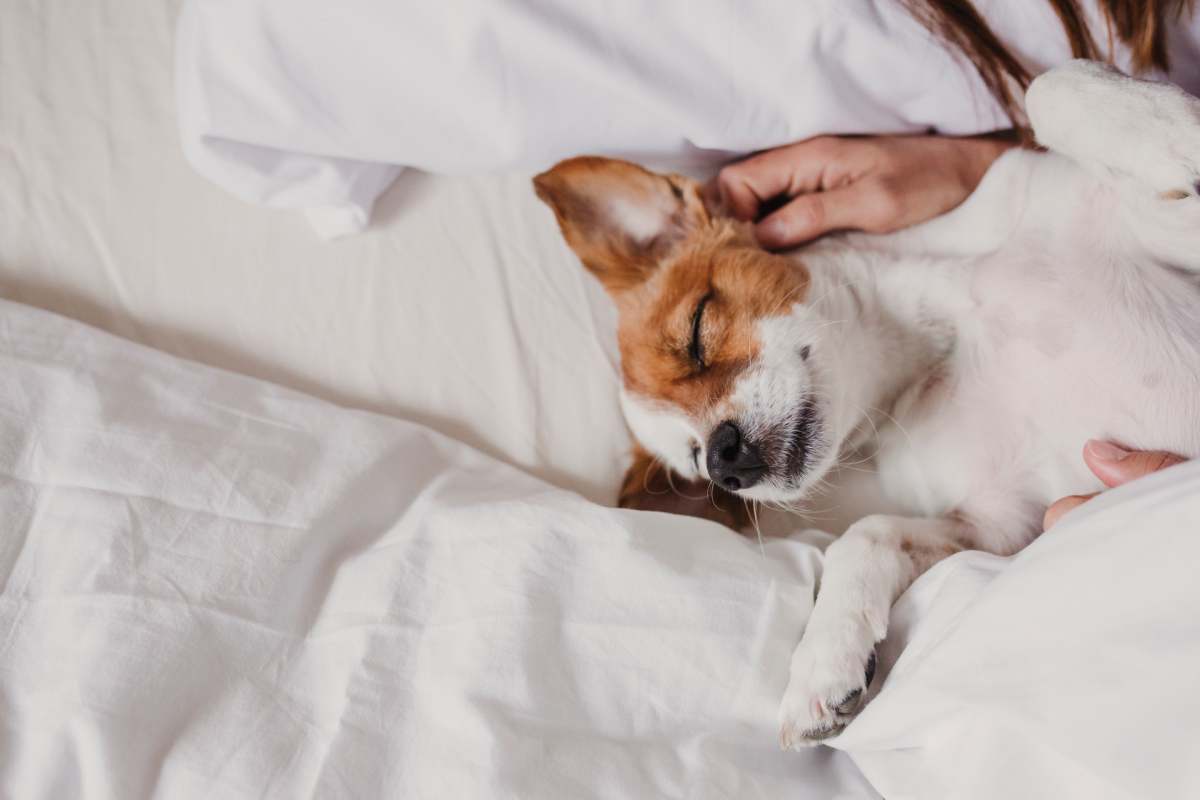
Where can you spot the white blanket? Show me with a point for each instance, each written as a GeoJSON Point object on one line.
{"type": "Point", "coordinates": [1069, 670]}
{"type": "Point", "coordinates": [101, 219]}
{"type": "Point", "coordinates": [213, 587]}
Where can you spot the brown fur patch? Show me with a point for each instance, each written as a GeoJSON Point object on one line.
{"type": "Point", "coordinates": [744, 283]}
{"type": "Point", "coordinates": [649, 487]}
{"type": "Point", "coordinates": [658, 282]}
{"type": "Point", "coordinates": [587, 195]}
{"type": "Point", "coordinates": [658, 251]}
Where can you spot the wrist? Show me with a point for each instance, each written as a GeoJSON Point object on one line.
{"type": "Point", "coordinates": [981, 151]}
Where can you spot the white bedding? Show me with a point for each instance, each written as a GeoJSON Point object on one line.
{"type": "Point", "coordinates": [158, 651]}
{"type": "Point", "coordinates": [214, 587]}
{"type": "Point", "coordinates": [461, 309]}
{"type": "Point", "coordinates": [1067, 671]}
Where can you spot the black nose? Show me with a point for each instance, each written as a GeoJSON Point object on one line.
{"type": "Point", "coordinates": [733, 461]}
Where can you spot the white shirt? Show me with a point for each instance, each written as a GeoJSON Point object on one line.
{"type": "Point", "coordinates": [307, 104]}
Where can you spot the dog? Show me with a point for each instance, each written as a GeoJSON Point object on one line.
{"type": "Point", "coordinates": [974, 353]}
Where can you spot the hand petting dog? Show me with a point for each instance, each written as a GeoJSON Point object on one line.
{"type": "Point", "coordinates": [1115, 466]}
{"type": "Point", "coordinates": [876, 184]}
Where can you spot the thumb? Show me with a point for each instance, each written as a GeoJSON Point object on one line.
{"type": "Point", "coordinates": [1115, 465]}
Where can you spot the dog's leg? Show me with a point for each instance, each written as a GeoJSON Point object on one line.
{"type": "Point", "coordinates": [1112, 124]}
{"type": "Point", "coordinates": [1141, 137]}
{"type": "Point", "coordinates": [865, 571]}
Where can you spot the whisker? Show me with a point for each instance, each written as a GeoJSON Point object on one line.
{"type": "Point", "coordinates": [671, 483]}
{"type": "Point", "coordinates": [762, 549]}
{"type": "Point", "coordinates": [712, 495]}
{"type": "Point", "coordinates": [896, 422]}
{"type": "Point", "coordinates": [654, 461]}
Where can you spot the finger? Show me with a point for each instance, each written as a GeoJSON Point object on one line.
{"type": "Point", "coordinates": [745, 187]}
{"type": "Point", "coordinates": [1115, 465]}
{"type": "Point", "coordinates": [858, 206]}
{"type": "Point", "coordinates": [1055, 512]}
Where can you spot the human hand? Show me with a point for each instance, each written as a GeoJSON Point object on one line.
{"type": "Point", "coordinates": [877, 184]}
{"type": "Point", "coordinates": [1114, 466]}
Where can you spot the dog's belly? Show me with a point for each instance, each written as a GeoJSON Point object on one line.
{"type": "Point", "coordinates": [1047, 356]}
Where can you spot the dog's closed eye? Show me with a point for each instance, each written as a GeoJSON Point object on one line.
{"type": "Point", "coordinates": [696, 345]}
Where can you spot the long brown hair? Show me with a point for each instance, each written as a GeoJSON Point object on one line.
{"type": "Point", "coordinates": [1140, 24]}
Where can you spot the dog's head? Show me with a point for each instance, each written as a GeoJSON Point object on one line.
{"type": "Point", "coordinates": [726, 372]}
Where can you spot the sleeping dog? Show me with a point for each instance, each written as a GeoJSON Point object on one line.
{"type": "Point", "coordinates": [977, 352]}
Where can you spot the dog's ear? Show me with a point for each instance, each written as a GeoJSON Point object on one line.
{"type": "Point", "coordinates": [620, 219]}
{"type": "Point", "coordinates": [649, 486]}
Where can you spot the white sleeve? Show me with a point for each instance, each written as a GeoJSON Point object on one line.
{"type": "Point", "coordinates": [297, 104]}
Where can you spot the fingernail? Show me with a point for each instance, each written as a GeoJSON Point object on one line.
{"type": "Point", "coordinates": [1105, 451]}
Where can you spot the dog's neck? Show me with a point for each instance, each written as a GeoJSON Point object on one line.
{"type": "Point", "coordinates": [891, 334]}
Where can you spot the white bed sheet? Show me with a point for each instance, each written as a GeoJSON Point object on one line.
{"type": "Point", "coordinates": [1066, 671]}
{"type": "Point", "coordinates": [461, 308]}
{"type": "Point", "coordinates": [215, 587]}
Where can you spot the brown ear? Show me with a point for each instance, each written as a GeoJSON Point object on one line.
{"type": "Point", "coordinates": [620, 219]}
{"type": "Point", "coordinates": [649, 486]}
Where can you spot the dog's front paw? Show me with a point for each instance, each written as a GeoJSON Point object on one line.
{"type": "Point", "coordinates": [826, 690]}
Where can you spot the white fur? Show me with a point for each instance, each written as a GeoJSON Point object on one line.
{"type": "Point", "coordinates": [641, 220]}
{"type": "Point", "coordinates": [1061, 302]}
{"type": "Point", "coordinates": [665, 431]}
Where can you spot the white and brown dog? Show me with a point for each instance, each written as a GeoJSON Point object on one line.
{"type": "Point", "coordinates": [1061, 302]}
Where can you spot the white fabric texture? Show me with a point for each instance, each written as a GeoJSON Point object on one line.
{"type": "Point", "coordinates": [300, 104]}
{"type": "Point", "coordinates": [1066, 671]}
{"type": "Point", "coordinates": [213, 587]}
{"type": "Point", "coordinates": [462, 310]}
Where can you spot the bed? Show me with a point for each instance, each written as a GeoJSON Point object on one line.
{"type": "Point", "coordinates": [286, 517]}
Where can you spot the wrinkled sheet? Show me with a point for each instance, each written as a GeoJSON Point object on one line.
{"type": "Point", "coordinates": [462, 309]}
{"type": "Point", "coordinates": [214, 587]}
{"type": "Point", "coordinates": [1068, 670]}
